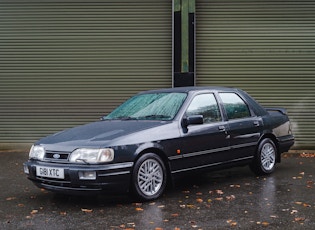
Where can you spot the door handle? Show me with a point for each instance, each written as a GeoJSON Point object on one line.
{"type": "Point", "coordinates": [256, 123]}
{"type": "Point", "coordinates": [222, 128]}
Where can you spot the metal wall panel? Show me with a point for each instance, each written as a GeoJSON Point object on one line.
{"type": "Point", "coordinates": [65, 63]}
{"type": "Point", "coordinates": [266, 48]}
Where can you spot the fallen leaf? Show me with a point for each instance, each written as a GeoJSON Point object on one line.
{"type": "Point", "coordinates": [63, 213]}
{"type": "Point", "coordinates": [307, 205]}
{"type": "Point", "coordinates": [158, 228]}
{"type": "Point", "coordinates": [231, 223]}
{"type": "Point", "coordinates": [235, 186]}
{"type": "Point", "coordinates": [229, 198]}
{"type": "Point", "coordinates": [297, 219]}
{"type": "Point", "coordinates": [86, 210]}
{"type": "Point", "coordinates": [307, 155]}
{"type": "Point", "coordinates": [21, 205]}
{"type": "Point", "coordinates": [174, 214]}
{"type": "Point", "coordinates": [309, 184]}
{"type": "Point", "coordinates": [220, 192]}
{"type": "Point", "coordinates": [11, 198]}
{"type": "Point", "coordinates": [265, 223]}
{"type": "Point", "coordinates": [34, 211]}
{"type": "Point", "coordinates": [199, 193]}
{"type": "Point", "coordinates": [139, 209]}
{"type": "Point", "coordinates": [199, 200]}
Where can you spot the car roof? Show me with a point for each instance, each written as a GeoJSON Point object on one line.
{"type": "Point", "coordinates": [190, 89]}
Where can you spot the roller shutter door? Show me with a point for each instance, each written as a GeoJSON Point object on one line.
{"type": "Point", "coordinates": [266, 48]}
{"type": "Point", "coordinates": [65, 63]}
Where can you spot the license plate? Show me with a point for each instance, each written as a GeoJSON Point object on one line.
{"type": "Point", "coordinates": [50, 172]}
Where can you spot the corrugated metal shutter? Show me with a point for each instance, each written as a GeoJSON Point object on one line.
{"type": "Point", "coordinates": [266, 48]}
{"type": "Point", "coordinates": [64, 63]}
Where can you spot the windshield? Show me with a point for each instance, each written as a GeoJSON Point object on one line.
{"type": "Point", "coordinates": [155, 106]}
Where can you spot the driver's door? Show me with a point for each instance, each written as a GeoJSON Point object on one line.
{"type": "Point", "coordinates": [205, 144]}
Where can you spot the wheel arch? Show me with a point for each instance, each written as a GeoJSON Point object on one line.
{"type": "Point", "coordinates": [158, 150]}
{"type": "Point", "coordinates": [275, 141]}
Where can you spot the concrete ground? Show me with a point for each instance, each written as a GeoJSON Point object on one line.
{"type": "Point", "coordinates": [228, 199]}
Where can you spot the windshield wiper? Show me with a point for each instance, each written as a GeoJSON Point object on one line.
{"type": "Point", "coordinates": [125, 118]}
{"type": "Point", "coordinates": [155, 116]}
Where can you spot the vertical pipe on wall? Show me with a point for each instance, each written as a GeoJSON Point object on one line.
{"type": "Point", "coordinates": [183, 43]}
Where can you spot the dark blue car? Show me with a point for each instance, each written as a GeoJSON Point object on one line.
{"type": "Point", "coordinates": [160, 134]}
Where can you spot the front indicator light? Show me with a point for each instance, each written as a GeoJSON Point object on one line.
{"type": "Point", "coordinates": [26, 170]}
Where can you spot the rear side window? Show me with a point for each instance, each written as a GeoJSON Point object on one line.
{"type": "Point", "coordinates": [205, 105]}
{"type": "Point", "coordinates": [234, 106]}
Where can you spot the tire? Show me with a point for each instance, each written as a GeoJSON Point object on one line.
{"type": "Point", "coordinates": [149, 177]}
{"type": "Point", "coordinates": [264, 162]}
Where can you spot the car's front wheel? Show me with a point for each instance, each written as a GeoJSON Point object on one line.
{"type": "Point", "coordinates": [265, 158]}
{"type": "Point", "coordinates": [149, 177]}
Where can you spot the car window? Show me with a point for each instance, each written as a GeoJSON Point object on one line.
{"type": "Point", "coordinates": [234, 106]}
{"type": "Point", "coordinates": [205, 105]}
{"type": "Point", "coordinates": [153, 106]}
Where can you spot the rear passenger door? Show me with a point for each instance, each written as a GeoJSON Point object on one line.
{"type": "Point", "coordinates": [244, 126]}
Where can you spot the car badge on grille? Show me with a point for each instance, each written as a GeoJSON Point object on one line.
{"type": "Point", "coordinates": [56, 156]}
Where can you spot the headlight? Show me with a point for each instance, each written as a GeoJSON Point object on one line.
{"type": "Point", "coordinates": [37, 152]}
{"type": "Point", "coordinates": [92, 155]}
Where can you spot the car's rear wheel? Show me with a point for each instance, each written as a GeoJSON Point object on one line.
{"type": "Point", "coordinates": [265, 158]}
{"type": "Point", "coordinates": [149, 177]}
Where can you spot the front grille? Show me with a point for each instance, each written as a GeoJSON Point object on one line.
{"type": "Point", "coordinates": [57, 155]}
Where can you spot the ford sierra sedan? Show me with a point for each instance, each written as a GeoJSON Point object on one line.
{"type": "Point", "coordinates": [157, 136]}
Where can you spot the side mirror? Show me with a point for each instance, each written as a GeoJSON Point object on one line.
{"type": "Point", "coordinates": [193, 120]}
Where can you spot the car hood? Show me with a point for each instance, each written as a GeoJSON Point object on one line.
{"type": "Point", "coordinates": [103, 134]}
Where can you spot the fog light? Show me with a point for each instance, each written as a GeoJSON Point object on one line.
{"type": "Point", "coordinates": [87, 175]}
{"type": "Point", "coordinates": [26, 170]}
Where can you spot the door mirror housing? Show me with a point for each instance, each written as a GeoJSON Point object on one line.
{"type": "Point", "coordinates": [193, 120]}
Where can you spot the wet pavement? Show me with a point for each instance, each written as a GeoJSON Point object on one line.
{"type": "Point", "coordinates": [228, 199]}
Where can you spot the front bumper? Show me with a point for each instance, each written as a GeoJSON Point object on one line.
{"type": "Point", "coordinates": [110, 178]}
